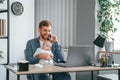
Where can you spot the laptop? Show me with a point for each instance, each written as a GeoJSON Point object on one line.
{"type": "Point", "coordinates": [78, 55]}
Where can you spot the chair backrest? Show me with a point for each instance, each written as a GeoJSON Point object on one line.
{"type": "Point", "coordinates": [29, 76]}
{"type": "Point", "coordinates": [25, 54]}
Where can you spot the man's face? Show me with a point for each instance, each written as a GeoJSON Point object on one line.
{"type": "Point", "coordinates": [45, 32]}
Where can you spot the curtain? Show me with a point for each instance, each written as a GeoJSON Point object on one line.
{"type": "Point", "coordinates": [62, 14]}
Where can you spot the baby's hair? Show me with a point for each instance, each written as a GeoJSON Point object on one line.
{"type": "Point", "coordinates": [48, 42]}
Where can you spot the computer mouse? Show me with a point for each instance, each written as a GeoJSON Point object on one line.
{"type": "Point", "coordinates": [93, 64]}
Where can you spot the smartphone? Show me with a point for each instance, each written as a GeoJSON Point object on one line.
{"type": "Point", "coordinates": [49, 37]}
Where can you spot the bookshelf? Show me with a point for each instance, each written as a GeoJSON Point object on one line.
{"type": "Point", "coordinates": [3, 10]}
{"type": "Point", "coordinates": [4, 32]}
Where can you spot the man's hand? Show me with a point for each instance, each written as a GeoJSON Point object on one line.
{"type": "Point", "coordinates": [53, 38]}
{"type": "Point", "coordinates": [45, 56]}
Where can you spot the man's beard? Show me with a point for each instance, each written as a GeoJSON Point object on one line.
{"type": "Point", "coordinates": [43, 37]}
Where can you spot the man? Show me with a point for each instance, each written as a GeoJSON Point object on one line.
{"type": "Point", "coordinates": [32, 45]}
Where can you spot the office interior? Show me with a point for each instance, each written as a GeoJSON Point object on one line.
{"type": "Point", "coordinates": [23, 28]}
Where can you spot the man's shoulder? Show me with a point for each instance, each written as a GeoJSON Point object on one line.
{"type": "Point", "coordinates": [33, 40]}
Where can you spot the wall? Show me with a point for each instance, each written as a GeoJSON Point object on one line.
{"type": "Point", "coordinates": [21, 30]}
{"type": "Point", "coordinates": [85, 29]}
{"type": "Point", "coordinates": [85, 22]}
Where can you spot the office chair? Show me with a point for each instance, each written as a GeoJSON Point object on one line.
{"type": "Point", "coordinates": [29, 76]}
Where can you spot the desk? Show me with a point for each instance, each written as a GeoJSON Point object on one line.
{"type": "Point", "coordinates": [53, 69]}
{"type": "Point", "coordinates": [113, 52]}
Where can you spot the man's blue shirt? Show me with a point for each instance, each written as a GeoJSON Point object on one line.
{"type": "Point", "coordinates": [32, 46]}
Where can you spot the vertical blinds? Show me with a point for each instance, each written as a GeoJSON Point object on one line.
{"type": "Point", "coordinates": [62, 14]}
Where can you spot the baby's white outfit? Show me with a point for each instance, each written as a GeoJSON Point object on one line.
{"type": "Point", "coordinates": [42, 51]}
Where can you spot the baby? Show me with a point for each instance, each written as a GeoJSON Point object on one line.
{"type": "Point", "coordinates": [46, 48]}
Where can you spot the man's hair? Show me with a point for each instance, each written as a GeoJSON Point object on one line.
{"type": "Point", "coordinates": [44, 23]}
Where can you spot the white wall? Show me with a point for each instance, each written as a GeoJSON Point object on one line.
{"type": "Point", "coordinates": [21, 30]}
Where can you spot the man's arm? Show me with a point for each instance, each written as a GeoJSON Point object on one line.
{"type": "Point", "coordinates": [58, 52]}
{"type": "Point", "coordinates": [29, 53]}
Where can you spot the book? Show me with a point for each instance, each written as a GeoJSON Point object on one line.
{"type": "Point", "coordinates": [2, 27]}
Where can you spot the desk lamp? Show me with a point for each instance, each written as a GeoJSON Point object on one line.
{"type": "Point", "coordinates": [99, 41]}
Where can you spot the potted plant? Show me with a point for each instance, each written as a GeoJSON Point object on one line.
{"type": "Point", "coordinates": [1, 1]}
{"type": "Point", "coordinates": [108, 14]}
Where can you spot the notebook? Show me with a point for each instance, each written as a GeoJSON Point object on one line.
{"type": "Point", "coordinates": [78, 55]}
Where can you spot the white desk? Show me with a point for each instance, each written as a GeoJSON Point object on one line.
{"type": "Point", "coordinates": [53, 69]}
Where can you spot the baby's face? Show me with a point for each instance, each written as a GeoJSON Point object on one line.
{"type": "Point", "coordinates": [46, 46]}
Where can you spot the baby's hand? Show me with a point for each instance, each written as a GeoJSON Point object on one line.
{"type": "Point", "coordinates": [34, 55]}
{"type": "Point", "coordinates": [51, 55]}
